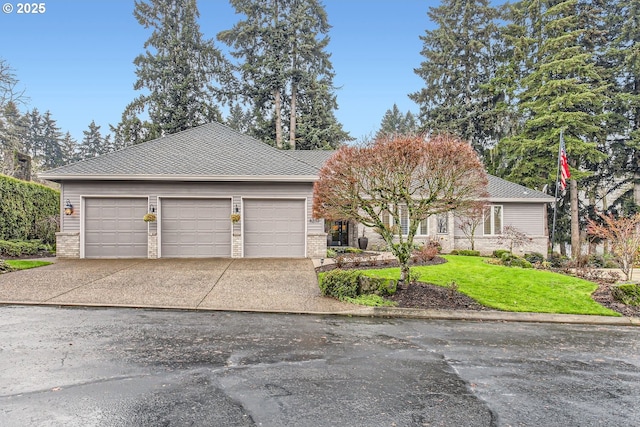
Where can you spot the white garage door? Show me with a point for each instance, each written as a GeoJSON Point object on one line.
{"type": "Point", "coordinates": [113, 228]}
{"type": "Point", "coordinates": [195, 228]}
{"type": "Point", "coordinates": [274, 228]}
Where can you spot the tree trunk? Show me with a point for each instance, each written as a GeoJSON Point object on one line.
{"type": "Point", "coordinates": [575, 226]}
{"type": "Point", "coordinates": [278, 112]}
{"type": "Point", "coordinates": [292, 118]}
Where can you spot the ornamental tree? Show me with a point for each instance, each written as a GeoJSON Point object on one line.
{"type": "Point", "coordinates": [624, 236]}
{"type": "Point", "coordinates": [405, 178]}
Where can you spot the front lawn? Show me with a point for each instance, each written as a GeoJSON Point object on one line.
{"type": "Point", "coordinates": [20, 264]}
{"type": "Point", "coordinates": [509, 288]}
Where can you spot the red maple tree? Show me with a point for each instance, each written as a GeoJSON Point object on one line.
{"type": "Point", "coordinates": [396, 176]}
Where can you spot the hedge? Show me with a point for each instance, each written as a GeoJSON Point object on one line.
{"type": "Point", "coordinates": [28, 210]}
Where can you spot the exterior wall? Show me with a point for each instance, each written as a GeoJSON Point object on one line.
{"type": "Point", "coordinates": [75, 191]}
{"type": "Point", "coordinates": [446, 240]}
{"type": "Point", "coordinates": [68, 244]}
{"type": "Point", "coordinates": [530, 218]}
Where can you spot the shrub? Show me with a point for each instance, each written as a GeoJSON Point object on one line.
{"type": "Point", "coordinates": [498, 252]}
{"type": "Point", "coordinates": [534, 257]}
{"type": "Point", "coordinates": [426, 253]}
{"type": "Point", "coordinates": [4, 267]}
{"type": "Point", "coordinates": [454, 252]}
{"type": "Point", "coordinates": [331, 253]}
{"type": "Point", "coordinates": [414, 275]}
{"type": "Point", "coordinates": [18, 248]}
{"type": "Point", "coordinates": [510, 260]}
{"type": "Point", "coordinates": [557, 260]}
{"type": "Point", "coordinates": [377, 285]}
{"type": "Point", "coordinates": [340, 284]}
{"type": "Point", "coordinates": [468, 252]}
{"type": "Point", "coordinates": [627, 293]}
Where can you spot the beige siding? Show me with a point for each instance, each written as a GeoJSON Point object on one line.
{"type": "Point", "coordinates": [527, 217]}
{"type": "Point", "coordinates": [74, 191]}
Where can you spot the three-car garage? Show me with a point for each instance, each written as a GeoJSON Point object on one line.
{"type": "Point", "coordinates": [194, 227]}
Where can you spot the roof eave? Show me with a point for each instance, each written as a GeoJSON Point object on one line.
{"type": "Point", "coordinates": [520, 199]}
{"type": "Point", "coordinates": [220, 178]}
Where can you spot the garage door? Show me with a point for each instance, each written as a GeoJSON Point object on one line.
{"type": "Point", "coordinates": [113, 228]}
{"type": "Point", "coordinates": [195, 228]}
{"type": "Point", "coordinates": [274, 228]}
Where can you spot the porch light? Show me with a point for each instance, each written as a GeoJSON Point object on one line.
{"type": "Point", "coordinates": [152, 208]}
{"type": "Point", "coordinates": [68, 207]}
{"type": "Point", "coordinates": [236, 209]}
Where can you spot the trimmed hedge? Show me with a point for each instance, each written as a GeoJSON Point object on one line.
{"type": "Point", "coordinates": [28, 210]}
{"type": "Point", "coordinates": [341, 284]}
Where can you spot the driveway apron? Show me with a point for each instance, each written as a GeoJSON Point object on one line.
{"type": "Point", "coordinates": [268, 285]}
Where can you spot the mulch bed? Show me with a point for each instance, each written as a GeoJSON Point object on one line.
{"type": "Point", "coordinates": [603, 296]}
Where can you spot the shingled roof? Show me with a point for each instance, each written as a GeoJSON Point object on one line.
{"type": "Point", "coordinates": [499, 189]}
{"type": "Point", "coordinates": [211, 152]}
{"type": "Point", "coordinates": [215, 152]}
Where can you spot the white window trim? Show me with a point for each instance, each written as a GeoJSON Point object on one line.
{"type": "Point", "coordinates": [492, 218]}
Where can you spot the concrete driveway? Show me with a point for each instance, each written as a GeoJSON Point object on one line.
{"type": "Point", "coordinates": [266, 285]}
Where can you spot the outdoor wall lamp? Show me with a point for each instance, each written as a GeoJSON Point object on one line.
{"type": "Point", "coordinates": [236, 209]}
{"type": "Point", "coordinates": [152, 208]}
{"type": "Point", "coordinates": [68, 207]}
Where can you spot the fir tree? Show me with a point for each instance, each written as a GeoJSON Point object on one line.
{"type": "Point", "coordinates": [178, 69]}
{"type": "Point", "coordinates": [282, 67]}
{"type": "Point", "coordinates": [93, 143]}
{"type": "Point", "coordinates": [69, 149]}
{"type": "Point", "coordinates": [396, 123]}
{"type": "Point", "coordinates": [51, 147]}
{"type": "Point", "coordinates": [458, 66]}
{"type": "Point", "coordinates": [564, 91]}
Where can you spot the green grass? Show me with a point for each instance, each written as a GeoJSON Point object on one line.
{"type": "Point", "coordinates": [20, 264]}
{"type": "Point", "coordinates": [510, 288]}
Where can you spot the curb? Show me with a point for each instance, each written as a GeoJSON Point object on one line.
{"type": "Point", "coordinates": [384, 312]}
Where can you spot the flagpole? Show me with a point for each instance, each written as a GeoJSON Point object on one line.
{"type": "Point", "coordinates": [555, 203]}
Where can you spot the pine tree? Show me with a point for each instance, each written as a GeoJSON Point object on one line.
{"type": "Point", "coordinates": [282, 67]}
{"type": "Point", "coordinates": [458, 66]}
{"type": "Point", "coordinates": [178, 69]}
{"type": "Point", "coordinates": [396, 123]}
{"type": "Point", "coordinates": [239, 119]}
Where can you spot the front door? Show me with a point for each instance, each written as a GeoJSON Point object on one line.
{"type": "Point", "coordinates": [339, 231]}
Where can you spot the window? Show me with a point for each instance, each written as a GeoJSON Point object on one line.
{"type": "Point", "coordinates": [492, 220]}
{"type": "Point", "coordinates": [423, 227]}
{"type": "Point", "coordinates": [443, 223]}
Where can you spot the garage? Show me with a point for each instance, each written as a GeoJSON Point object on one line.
{"type": "Point", "coordinates": [113, 228]}
{"type": "Point", "coordinates": [195, 228]}
{"type": "Point", "coordinates": [274, 228]}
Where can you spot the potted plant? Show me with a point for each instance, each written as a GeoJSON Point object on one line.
{"type": "Point", "coordinates": [150, 217]}
{"type": "Point", "coordinates": [363, 241]}
{"type": "Point", "coordinates": [235, 217]}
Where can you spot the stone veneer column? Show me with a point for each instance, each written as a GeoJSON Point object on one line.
{"type": "Point", "coordinates": [317, 245]}
{"type": "Point", "coordinates": [236, 245]}
{"type": "Point", "coordinates": [152, 246]}
{"type": "Point", "coordinates": [68, 244]}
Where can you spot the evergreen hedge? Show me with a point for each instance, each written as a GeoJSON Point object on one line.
{"type": "Point", "coordinates": [28, 210]}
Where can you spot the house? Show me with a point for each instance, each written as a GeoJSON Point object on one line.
{"type": "Point", "coordinates": [195, 180]}
{"type": "Point", "coordinates": [508, 204]}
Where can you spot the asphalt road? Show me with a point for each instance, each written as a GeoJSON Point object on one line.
{"type": "Point", "coordinates": [126, 367]}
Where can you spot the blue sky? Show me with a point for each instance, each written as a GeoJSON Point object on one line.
{"type": "Point", "coordinates": [76, 58]}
